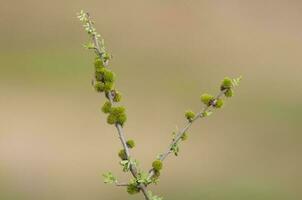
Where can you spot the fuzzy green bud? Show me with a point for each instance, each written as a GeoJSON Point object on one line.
{"type": "Point", "coordinates": [99, 86]}
{"type": "Point", "coordinates": [207, 99]}
{"type": "Point", "coordinates": [229, 93]}
{"type": "Point", "coordinates": [226, 83]}
{"type": "Point", "coordinates": [219, 103]}
{"type": "Point", "coordinates": [120, 115]}
{"type": "Point", "coordinates": [190, 115]}
{"type": "Point", "coordinates": [108, 86]}
{"type": "Point", "coordinates": [108, 76]}
{"type": "Point", "coordinates": [98, 63]}
{"type": "Point", "coordinates": [157, 165]}
{"type": "Point", "coordinates": [184, 136]}
{"type": "Point", "coordinates": [106, 108]}
{"type": "Point", "coordinates": [118, 110]}
{"type": "Point", "coordinates": [133, 188]}
{"type": "Point", "coordinates": [130, 144]}
{"type": "Point", "coordinates": [122, 154]}
{"type": "Point", "coordinates": [111, 119]}
{"type": "Point", "coordinates": [117, 96]}
{"type": "Point", "coordinates": [121, 119]}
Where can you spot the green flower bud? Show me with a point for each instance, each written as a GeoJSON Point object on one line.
{"type": "Point", "coordinates": [99, 86]}
{"type": "Point", "coordinates": [121, 119]}
{"type": "Point", "coordinates": [120, 115]}
{"type": "Point", "coordinates": [130, 144]}
{"type": "Point", "coordinates": [190, 115]}
{"type": "Point", "coordinates": [122, 154]}
{"type": "Point", "coordinates": [117, 96]}
{"type": "Point", "coordinates": [184, 136]}
{"type": "Point", "coordinates": [133, 188]}
{"type": "Point", "coordinates": [108, 76]}
{"type": "Point", "coordinates": [207, 99]}
{"type": "Point", "coordinates": [229, 93]}
{"type": "Point", "coordinates": [106, 107]}
{"type": "Point", "coordinates": [111, 119]}
{"type": "Point", "coordinates": [219, 103]}
{"type": "Point", "coordinates": [108, 86]}
{"type": "Point", "coordinates": [157, 165]}
{"type": "Point", "coordinates": [226, 83]}
{"type": "Point", "coordinates": [98, 63]}
{"type": "Point", "coordinates": [117, 110]}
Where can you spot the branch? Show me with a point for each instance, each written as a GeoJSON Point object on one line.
{"type": "Point", "coordinates": [180, 134]}
{"type": "Point", "coordinates": [100, 51]}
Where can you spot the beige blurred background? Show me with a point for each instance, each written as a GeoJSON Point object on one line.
{"type": "Point", "coordinates": [55, 143]}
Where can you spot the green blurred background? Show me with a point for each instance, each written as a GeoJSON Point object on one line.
{"type": "Point", "coordinates": [55, 143]}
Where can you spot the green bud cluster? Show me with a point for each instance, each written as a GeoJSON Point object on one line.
{"type": "Point", "coordinates": [190, 115]}
{"type": "Point", "coordinates": [219, 103]}
{"type": "Point", "coordinates": [130, 144]}
{"type": "Point", "coordinates": [122, 154]}
{"type": "Point", "coordinates": [133, 188]}
{"type": "Point", "coordinates": [227, 86]}
{"type": "Point", "coordinates": [104, 78]}
{"type": "Point", "coordinates": [106, 108]}
{"type": "Point", "coordinates": [207, 99]}
{"type": "Point", "coordinates": [157, 165]}
{"type": "Point", "coordinates": [116, 115]}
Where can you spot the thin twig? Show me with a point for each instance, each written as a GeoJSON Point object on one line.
{"type": "Point", "coordinates": [179, 135]}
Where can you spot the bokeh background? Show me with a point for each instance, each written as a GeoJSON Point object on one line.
{"type": "Point", "coordinates": [55, 143]}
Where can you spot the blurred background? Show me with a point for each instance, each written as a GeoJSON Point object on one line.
{"type": "Point", "coordinates": [54, 140]}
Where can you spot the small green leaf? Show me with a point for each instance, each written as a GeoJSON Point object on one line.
{"type": "Point", "coordinates": [154, 197]}
{"type": "Point", "coordinates": [109, 178]}
{"type": "Point", "coordinates": [236, 81]}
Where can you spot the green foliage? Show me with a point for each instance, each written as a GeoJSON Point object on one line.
{"type": "Point", "coordinates": [236, 81]}
{"type": "Point", "coordinates": [109, 178]}
{"type": "Point", "coordinates": [122, 154]}
{"type": "Point", "coordinates": [143, 178]}
{"type": "Point", "coordinates": [207, 99]}
{"type": "Point", "coordinates": [155, 177]}
{"type": "Point", "coordinates": [128, 163]}
{"type": "Point", "coordinates": [130, 144]}
{"type": "Point", "coordinates": [157, 165]}
{"type": "Point", "coordinates": [190, 115]}
{"type": "Point", "coordinates": [106, 108]}
{"type": "Point", "coordinates": [154, 197]}
{"type": "Point", "coordinates": [219, 103]}
{"type": "Point", "coordinates": [133, 188]}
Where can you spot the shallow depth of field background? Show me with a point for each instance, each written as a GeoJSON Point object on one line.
{"type": "Point", "coordinates": [55, 143]}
